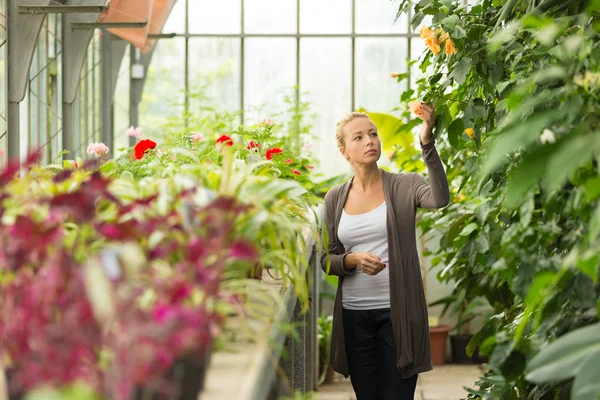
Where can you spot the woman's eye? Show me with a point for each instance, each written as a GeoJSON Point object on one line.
{"type": "Point", "coordinates": [374, 134]}
{"type": "Point", "coordinates": [357, 137]}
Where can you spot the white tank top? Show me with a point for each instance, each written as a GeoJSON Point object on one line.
{"type": "Point", "coordinates": [366, 233]}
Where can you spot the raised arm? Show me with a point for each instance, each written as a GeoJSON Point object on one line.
{"type": "Point", "coordinates": [434, 194]}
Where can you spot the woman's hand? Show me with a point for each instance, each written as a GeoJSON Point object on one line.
{"type": "Point", "coordinates": [427, 113]}
{"type": "Point", "coordinates": [369, 263]}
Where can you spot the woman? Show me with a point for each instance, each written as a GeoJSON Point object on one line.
{"type": "Point", "coordinates": [380, 333]}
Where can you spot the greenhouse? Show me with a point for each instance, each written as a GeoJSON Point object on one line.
{"type": "Point", "coordinates": [300, 199]}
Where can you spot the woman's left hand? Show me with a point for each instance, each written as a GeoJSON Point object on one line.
{"type": "Point", "coordinates": [428, 117]}
{"type": "Point", "coordinates": [427, 113]}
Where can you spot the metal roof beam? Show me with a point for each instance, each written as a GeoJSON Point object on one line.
{"type": "Point", "coordinates": [60, 9]}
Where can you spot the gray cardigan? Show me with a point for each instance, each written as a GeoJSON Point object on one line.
{"type": "Point", "coordinates": [403, 193]}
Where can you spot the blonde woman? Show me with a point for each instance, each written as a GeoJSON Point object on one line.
{"type": "Point", "coordinates": [380, 334]}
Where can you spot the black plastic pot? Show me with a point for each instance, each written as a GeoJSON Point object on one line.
{"type": "Point", "coordinates": [458, 344]}
{"type": "Point", "coordinates": [187, 376]}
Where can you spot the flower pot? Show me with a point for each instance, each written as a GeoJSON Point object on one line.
{"type": "Point", "coordinates": [188, 376]}
{"type": "Point", "coordinates": [437, 337]}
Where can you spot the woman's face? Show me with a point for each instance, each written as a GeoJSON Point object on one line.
{"type": "Point", "coordinates": [362, 145]}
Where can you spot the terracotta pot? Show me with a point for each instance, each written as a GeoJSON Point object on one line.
{"type": "Point", "coordinates": [438, 336]}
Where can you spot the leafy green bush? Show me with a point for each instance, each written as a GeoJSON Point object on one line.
{"type": "Point", "coordinates": [519, 130]}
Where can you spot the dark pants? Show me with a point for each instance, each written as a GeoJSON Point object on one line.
{"type": "Point", "coordinates": [371, 353]}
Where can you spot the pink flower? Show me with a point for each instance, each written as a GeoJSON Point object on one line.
{"type": "Point", "coordinates": [134, 132]}
{"type": "Point", "coordinates": [295, 171]}
{"type": "Point", "coordinates": [288, 161]}
{"type": "Point", "coordinates": [243, 250]}
{"type": "Point", "coordinates": [197, 137]}
{"type": "Point", "coordinates": [308, 146]}
{"type": "Point", "coordinates": [267, 121]}
{"type": "Point", "coordinates": [99, 149]}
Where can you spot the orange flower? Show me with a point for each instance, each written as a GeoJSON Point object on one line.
{"type": "Point", "coordinates": [433, 45]}
{"type": "Point", "coordinates": [394, 75]}
{"type": "Point", "coordinates": [416, 107]}
{"type": "Point", "coordinates": [450, 49]}
{"type": "Point", "coordinates": [443, 36]}
{"type": "Point", "coordinates": [470, 133]}
{"type": "Point", "coordinates": [426, 33]}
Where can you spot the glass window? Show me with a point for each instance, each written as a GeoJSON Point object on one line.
{"type": "Point", "coordinates": [223, 16]}
{"type": "Point", "coordinates": [163, 90]}
{"type": "Point", "coordinates": [176, 21]}
{"type": "Point", "coordinates": [325, 76]}
{"type": "Point", "coordinates": [376, 59]}
{"type": "Point", "coordinates": [331, 16]}
{"type": "Point", "coordinates": [379, 16]}
{"type": "Point", "coordinates": [270, 16]}
{"type": "Point", "coordinates": [270, 69]}
{"type": "Point", "coordinates": [214, 68]}
{"type": "Point", "coordinates": [121, 107]}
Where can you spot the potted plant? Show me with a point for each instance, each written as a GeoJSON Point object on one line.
{"type": "Point", "coordinates": [324, 326]}
{"type": "Point", "coordinates": [465, 311]}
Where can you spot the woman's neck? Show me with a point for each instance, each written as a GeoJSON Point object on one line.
{"type": "Point", "coordinates": [366, 176]}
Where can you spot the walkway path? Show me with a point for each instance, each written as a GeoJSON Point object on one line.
{"type": "Point", "coordinates": [445, 382]}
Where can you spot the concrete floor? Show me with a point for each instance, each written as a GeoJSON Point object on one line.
{"type": "Point", "coordinates": [445, 382]}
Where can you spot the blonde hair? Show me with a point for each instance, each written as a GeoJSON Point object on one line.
{"type": "Point", "coordinates": [339, 134]}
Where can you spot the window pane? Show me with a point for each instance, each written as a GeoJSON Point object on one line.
{"type": "Point", "coordinates": [270, 16]}
{"type": "Point", "coordinates": [270, 70]}
{"type": "Point", "coordinates": [375, 60]}
{"type": "Point", "coordinates": [163, 90]}
{"type": "Point", "coordinates": [223, 16]}
{"type": "Point", "coordinates": [325, 75]}
{"type": "Point", "coordinates": [331, 16]}
{"type": "Point", "coordinates": [176, 21]}
{"type": "Point", "coordinates": [214, 68]}
{"type": "Point", "coordinates": [121, 114]}
{"type": "Point", "coordinates": [417, 48]}
{"type": "Point", "coordinates": [378, 16]}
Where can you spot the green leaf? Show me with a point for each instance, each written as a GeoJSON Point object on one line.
{"type": "Point", "coordinates": [540, 282]}
{"type": "Point", "coordinates": [592, 188]}
{"type": "Point", "coordinates": [455, 130]}
{"type": "Point", "coordinates": [516, 136]}
{"type": "Point", "coordinates": [588, 264]}
{"type": "Point", "coordinates": [468, 229]}
{"type": "Point", "coordinates": [450, 22]}
{"type": "Point", "coordinates": [563, 358]}
{"type": "Point", "coordinates": [527, 211]}
{"type": "Point", "coordinates": [595, 224]}
{"type": "Point", "coordinates": [460, 71]}
{"type": "Point", "coordinates": [454, 229]}
{"type": "Point", "coordinates": [587, 385]}
{"type": "Point", "coordinates": [573, 152]}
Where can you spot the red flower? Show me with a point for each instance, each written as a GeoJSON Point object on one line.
{"type": "Point", "coordinates": [142, 146]}
{"type": "Point", "coordinates": [225, 140]}
{"type": "Point", "coordinates": [288, 161]}
{"type": "Point", "coordinates": [295, 171]}
{"type": "Point", "coordinates": [309, 167]}
{"type": "Point", "coordinates": [273, 151]}
{"type": "Point", "coordinates": [252, 145]}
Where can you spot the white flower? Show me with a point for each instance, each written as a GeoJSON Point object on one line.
{"type": "Point", "coordinates": [99, 149]}
{"type": "Point", "coordinates": [134, 132]}
{"type": "Point", "coordinates": [267, 121]}
{"type": "Point", "coordinates": [197, 137]}
{"type": "Point", "coordinates": [547, 136]}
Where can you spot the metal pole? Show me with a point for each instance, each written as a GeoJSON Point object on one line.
{"type": "Point", "coordinates": [106, 70]}
{"type": "Point", "coordinates": [242, 62]}
{"type": "Point", "coordinates": [134, 110]}
{"type": "Point", "coordinates": [353, 66]}
{"type": "Point", "coordinates": [12, 108]}
{"type": "Point", "coordinates": [67, 108]}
